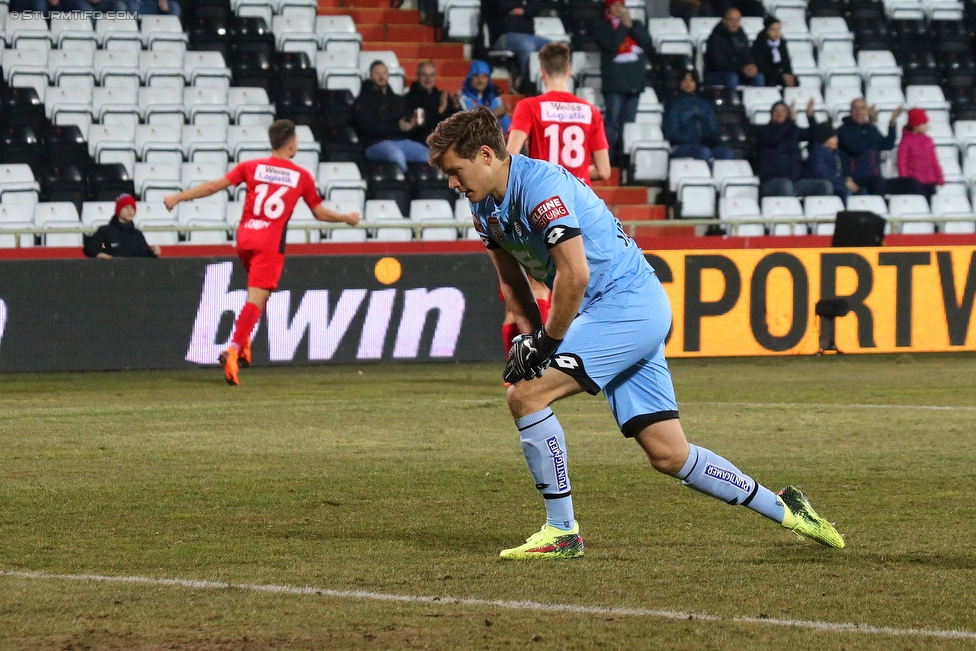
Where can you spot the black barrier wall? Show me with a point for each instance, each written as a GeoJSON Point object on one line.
{"type": "Point", "coordinates": [179, 312]}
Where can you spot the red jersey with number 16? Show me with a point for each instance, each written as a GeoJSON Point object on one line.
{"type": "Point", "coordinates": [274, 186]}
{"type": "Point", "coordinates": [562, 129]}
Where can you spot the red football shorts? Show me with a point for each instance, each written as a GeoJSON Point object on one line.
{"type": "Point", "coordinates": [263, 267]}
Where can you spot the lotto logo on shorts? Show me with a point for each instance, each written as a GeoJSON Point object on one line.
{"type": "Point", "coordinates": [547, 212]}
{"type": "Point", "coordinates": [729, 477]}
{"type": "Point", "coordinates": [559, 463]}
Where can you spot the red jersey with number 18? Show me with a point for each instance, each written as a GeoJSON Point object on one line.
{"type": "Point", "coordinates": [274, 186]}
{"type": "Point", "coordinates": [562, 129]}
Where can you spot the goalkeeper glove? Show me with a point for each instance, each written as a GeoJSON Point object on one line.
{"type": "Point", "coordinates": [530, 355]}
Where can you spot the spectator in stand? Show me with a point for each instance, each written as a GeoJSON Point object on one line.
{"type": "Point", "coordinates": [152, 7]}
{"type": "Point", "coordinates": [623, 58]}
{"type": "Point", "coordinates": [510, 27]}
{"type": "Point", "coordinates": [382, 121]}
{"type": "Point", "coordinates": [690, 124]}
{"type": "Point", "coordinates": [728, 57]}
{"type": "Point", "coordinates": [120, 238]}
{"type": "Point", "coordinates": [779, 155]}
{"type": "Point", "coordinates": [916, 154]}
{"type": "Point", "coordinates": [771, 56]}
{"type": "Point", "coordinates": [437, 105]}
{"type": "Point", "coordinates": [861, 145]}
{"type": "Point", "coordinates": [88, 5]}
{"type": "Point", "coordinates": [824, 163]}
{"type": "Point", "coordinates": [479, 91]}
{"type": "Point", "coordinates": [33, 5]}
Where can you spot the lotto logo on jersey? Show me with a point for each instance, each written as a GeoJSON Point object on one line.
{"type": "Point", "coordinates": [547, 212]}
{"type": "Point", "coordinates": [276, 175]}
{"type": "Point", "coordinates": [566, 112]}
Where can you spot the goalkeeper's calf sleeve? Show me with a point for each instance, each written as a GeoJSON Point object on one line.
{"type": "Point", "coordinates": [544, 447]}
{"type": "Point", "coordinates": [709, 473]}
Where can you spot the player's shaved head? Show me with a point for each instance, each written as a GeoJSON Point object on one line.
{"type": "Point", "coordinates": [555, 59]}
{"type": "Point", "coordinates": [280, 134]}
{"type": "Point", "coordinates": [467, 133]}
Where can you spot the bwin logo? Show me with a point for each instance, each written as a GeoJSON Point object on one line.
{"type": "Point", "coordinates": [555, 234]}
{"type": "Point", "coordinates": [324, 328]}
{"type": "Point", "coordinates": [569, 362]}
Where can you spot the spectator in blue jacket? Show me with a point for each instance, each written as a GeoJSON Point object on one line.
{"type": "Point", "coordinates": [861, 144]}
{"type": "Point", "coordinates": [479, 91]}
{"type": "Point", "coordinates": [824, 163]}
{"type": "Point", "coordinates": [690, 124]}
{"type": "Point", "coordinates": [779, 155]}
{"type": "Point", "coordinates": [153, 7]}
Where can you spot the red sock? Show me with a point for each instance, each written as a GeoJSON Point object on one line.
{"type": "Point", "coordinates": [245, 324]}
{"type": "Point", "coordinates": [543, 304]}
{"type": "Point", "coordinates": [509, 332]}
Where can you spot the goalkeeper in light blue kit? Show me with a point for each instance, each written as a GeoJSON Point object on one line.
{"type": "Point", "coordinates": [606, 328]}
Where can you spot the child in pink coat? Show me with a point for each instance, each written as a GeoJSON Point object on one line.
{"type": "Point", "coordinates": [916, 154]}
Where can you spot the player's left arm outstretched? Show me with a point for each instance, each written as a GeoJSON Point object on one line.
{"type": "Point", "coordinates": [531, 353]}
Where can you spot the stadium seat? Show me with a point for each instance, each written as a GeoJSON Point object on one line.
{"type": "Point", "coordinates": [18, 185]}
{"type": "Point", "coordinates": [295, 34]}
{"type": "Point", "coordinates": [205, 143]}
{"type": "Point", "coordinates": [206, 68]}
{"type": "Point", "coordinates": [195, 173]}
{"type": "Point", "coordinates": [648, 151]}
{"type": "Point", "coordinates": [734, 178]}
{"type": "Point", "coordinates": [68, 32]}
{"type": "Point", "coordinates": [155, 180]}
{"type": "Point", "coordinates": [166, 237]}
{"type": "Point", "coordinates": [105, 182]}
{"type": "Point", "coordinates": [113, 143]}
{"type": "Point", "coordinates": [741, 216]}
{"type": "Point", "coordinates": [838, 100]}
{"type": "Point", "coordinates": [58, 215]}
{"type": "Point", "coordinates": [821, 207]}
{"type": "Point", "coordinates": [379, 211]}
{"type": "Point", "coordinates": [111, 106]}
{"type": "Point", "coordinates": [957, 213]}
{"type": "Point", "coordinates": [216, 232]}
{"type": "Point", "coordinates": [206, 105]}
{"type": "Point", "coordinates": [343, 232]}
{"type": "Point", "coordinates": [915, 212]}
{"type": "Point", "coordinates": [162, 31]}
{"type": "Point", "coordinates": [307, 160]}
{"type": "Point", "coordinates": [61, 182]}
{"type": "Point", "coordinates": [550, 28]}
{"type": "Point", "coordinates": [338, 33]}
{"type": "Point", "coordinates": [462, 19]}
{"type": "Point", "coordinates": [878, 63]}
{"type": "Point", "coordinates": [250, 106]}
{"type": "Point", "coordinates": [25, 67]}
{"type": "Point", "coordinates": [19, 145]}
{"type": "Point", "coordinates": [111, 66]}
{"type": "Point", "coordinates": [211, 208]}
{"type": "Point", "coordinates": [778, 208]}
{"type": "Point", "coordinates": [161, 67]}
{"type": "Point", "coordinates": [108, 30]}
{"type": "Point", "coordinates": [670, 36]}
{"type": "Point", "coordinates": [71, 66]}
{"type": "Point", "coordinates": [241, 140]}
{"type": "Point", "coordinates": [97, 213]}
{"type": "Point", "coordinates": [424, 210]}
{"type": "Point", "coordinates": [692, 182]}
{"type": "Point", "coordinates": [339, 70]}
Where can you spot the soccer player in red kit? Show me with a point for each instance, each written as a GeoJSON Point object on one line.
{"type": "Point", "coordinates": [564, 130]}
{"type": "Point", "coordinates": [274, 186]}
{"type": "Point", "coordinates": [560, 127]}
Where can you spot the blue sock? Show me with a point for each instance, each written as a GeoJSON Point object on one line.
{"type": "Point", "coordinates": [544, 447]}
{"type": "Point", "coordinates": [709, 473]}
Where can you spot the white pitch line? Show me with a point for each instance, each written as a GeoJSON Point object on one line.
{"type": "Point", "coordinates": [509, 605]}
{"type": "Point", "coordinates": [826, 405]}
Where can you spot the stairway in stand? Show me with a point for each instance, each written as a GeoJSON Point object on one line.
{"type": "Point", "coordinates": [400, 30]}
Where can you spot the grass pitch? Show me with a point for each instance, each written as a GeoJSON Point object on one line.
{"type": "Point", "coordinates": [408, 480]}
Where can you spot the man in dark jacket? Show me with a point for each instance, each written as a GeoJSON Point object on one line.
{"type": "Point", "coordinates": [624, 45]}
{"type": "Point", "coordinates": [691, 126]}
{"type": "Point", "coordinates": [382, 121]}
{"type": "Point", "coordinates": [728, 57]}
{"type": "Point", "coordinates": [120, 238]}
{"type": "Point", "coordinates": [779, 155]}
{"type": "Point", "coordinates": [823, 162]}
{"type": "Point", "coordinates": [861, 145]}
{"type": "Point", "coordinates": [437, 105]}
{"type": "Point", "coordinates": [510, 27]}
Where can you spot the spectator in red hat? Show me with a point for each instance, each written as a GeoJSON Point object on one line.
{"type": "Point", "coordinates": [120, 237]}
{"type": "Point", "coordinates": [916, 154]}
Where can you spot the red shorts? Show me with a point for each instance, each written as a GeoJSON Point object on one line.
{"type": "Point", "coordinates": [263, 267]}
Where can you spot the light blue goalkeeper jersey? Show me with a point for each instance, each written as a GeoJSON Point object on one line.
{"type": "Point", "coordinates": [546, 205]}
